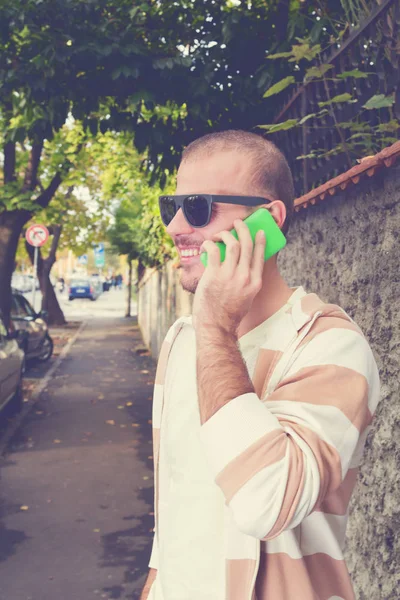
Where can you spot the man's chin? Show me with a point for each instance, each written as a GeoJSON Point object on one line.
{"type": "Point", "coordinates": [189, 281]}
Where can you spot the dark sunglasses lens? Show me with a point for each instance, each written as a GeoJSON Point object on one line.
{"type": "Point", "coordinates": [196, 210]}
{"type": "Point", "coordinates": [167, 209]}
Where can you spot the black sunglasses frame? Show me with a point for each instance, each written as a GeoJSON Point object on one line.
{"type": "Point", "coordinates": [211, 198]}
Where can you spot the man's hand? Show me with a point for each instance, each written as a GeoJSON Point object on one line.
{"type": "Point", "coordinates": [226, 291]}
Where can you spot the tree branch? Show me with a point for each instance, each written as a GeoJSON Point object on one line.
{"type": "Point", "coordinates": [9, 162]}
{"type": "Point", "coordinates": [31, 172]}
{"type": "Point", "coordinates": [45, 197]}
{"type": "Point", "coordinates": [56, 231]}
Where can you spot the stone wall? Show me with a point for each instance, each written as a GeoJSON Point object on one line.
{"type": "Point", "coordinates": [346, 250]}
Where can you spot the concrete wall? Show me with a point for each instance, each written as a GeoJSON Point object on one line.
{"type": "Point", "coordinates": [345, 249]}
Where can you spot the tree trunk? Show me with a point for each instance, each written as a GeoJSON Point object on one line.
{"type": "Point", "coordinates": [129, 291]}
{"type": "Point", "coordinates": [11, 224]}
{"type": "Point", "coordinates": [49, 299]}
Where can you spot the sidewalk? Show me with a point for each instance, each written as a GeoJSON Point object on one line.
{"type": "Point", "coordinates": [76, 497]}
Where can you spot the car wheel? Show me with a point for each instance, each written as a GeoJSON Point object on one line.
{"type": "Point", "coordinates": [16, 403]}
{"type": "Point", "coordinates": [70, 299]}
{"type": "Point", "coordinates": [92, 298]}
{"type": "Point", "coordinates": [47, 349]}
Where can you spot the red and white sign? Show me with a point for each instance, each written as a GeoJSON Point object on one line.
{"type": "Point", "coordinates": [37, 235]}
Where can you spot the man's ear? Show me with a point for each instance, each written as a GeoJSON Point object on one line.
{"type": "Point", "coordinates": [277, 209]}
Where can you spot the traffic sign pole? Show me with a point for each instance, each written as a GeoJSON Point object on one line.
{"type": "Point", "coordinates": [35, 273]}
{"type": "Point", "coordinates": [36, 236]}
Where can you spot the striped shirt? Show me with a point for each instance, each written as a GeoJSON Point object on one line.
{"type": "Point", "coordinates": [286, 457]}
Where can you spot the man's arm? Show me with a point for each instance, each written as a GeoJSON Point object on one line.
{"type": "Point", "coordinates": [221, 372]}
{"type": "Point", "coordinates": [149, 582]}
{"type": "Point", "coordinates": [276, 461]}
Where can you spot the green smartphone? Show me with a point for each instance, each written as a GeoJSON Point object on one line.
{"type": "Point", "coordinates": [260, 219]}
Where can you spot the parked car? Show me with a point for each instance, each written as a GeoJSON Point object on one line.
{"type": "Point", "coordinates": [37, 343]}
{"type": "Point", "coordinates": [12, 366]}
{"type": "Point", "coordinates": [83, 287]}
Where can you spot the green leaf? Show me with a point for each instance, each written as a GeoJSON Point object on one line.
{"type": "Point", "coordinates": [379, 101]}
{"type": "Point", "coordinates": [317, 72]}
{"type": "Point", "coordinates": [356, 73]}
{"type": "Point", "coordinates": [279, 86]}
{"type": "Point", "coordinates": [340, 98]}
{"type": "Point", "coordinates": [284, 126]}
{"type": "Point", "coordinates": [304, 156]}
{"type": "Point", "coordinates": [391, 127]}
{"type": "Point", "coordinates": [279, 55]}
{"type": "Point", "coordinates": [305, 51]}
{"type": "Point", "coordinates": [305, 119]}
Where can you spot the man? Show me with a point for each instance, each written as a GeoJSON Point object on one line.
{"type": "Point", "coordinates": [263, 400]}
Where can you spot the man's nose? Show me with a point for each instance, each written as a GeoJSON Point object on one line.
{"type": "Point", "coordinates": [179, 225]}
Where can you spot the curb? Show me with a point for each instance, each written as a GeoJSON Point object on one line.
{"type": "Point", "coordinates": [17, 421]}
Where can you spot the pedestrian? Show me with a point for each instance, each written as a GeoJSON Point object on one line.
{"type": "Point", "coordinates": [263, 400]}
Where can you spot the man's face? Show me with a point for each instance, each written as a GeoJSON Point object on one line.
{"type": "Point", "coordinates": [220, 173]}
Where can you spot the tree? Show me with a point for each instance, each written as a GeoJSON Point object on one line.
{"type": "Point", "coordinates": [167, 72]}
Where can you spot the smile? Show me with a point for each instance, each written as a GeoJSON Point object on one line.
{"type": "Point", "coordinates": [191, 253]}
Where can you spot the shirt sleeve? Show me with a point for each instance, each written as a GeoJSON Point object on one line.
{"type": "Point", "coordinates": [275, 461]}
{"type": "Point", "coordinates": [153, 563]}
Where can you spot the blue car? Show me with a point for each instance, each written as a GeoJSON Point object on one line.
{"type": "Point", "coordinates": [82, 288]}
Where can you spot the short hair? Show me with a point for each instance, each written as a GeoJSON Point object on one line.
{"type": "Point", "coordinates": [271, 175]}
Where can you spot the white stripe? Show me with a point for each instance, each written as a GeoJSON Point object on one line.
{"type": "Point", "coordinates": [234, 428]}
{"type": "Point", "coordinates": [157, 405]}
{"type": "Point", "coordinates": [236, 543]}
{"type": "Point", "coordinates": [340, 347]}
{"type": "Point", "coordinates": [153, 562]}
{"type": "Point", "coordinates": [258, 503]}
{"type": "Point", "coordinates": [317, 534]}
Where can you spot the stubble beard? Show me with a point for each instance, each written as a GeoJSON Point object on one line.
{"type": "Point", "coordinates": [189, 281]}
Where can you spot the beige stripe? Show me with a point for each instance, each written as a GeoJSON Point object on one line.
{"type": "Point", "coordinates": [314, 577]}
{"type": "Point", "coordinates": [162, 362]}
{"type": "Point", "coordinates": [239, 576]}
{"type": "Point", "coordinates": [268, 450]}
{"type": "Point", "coordinates": [328, 385]}
{"type": "Point", "coordinates": [312, 303]}
{"type": "Point", "coordinates": [327, 457]}
{"type": "Point", "coordinates": [337, 502]}
{"type": "Point", "coordinates": [328, 323]}
{"type": "Point", "coordinates": [293, 491]}
{"type": "Point", "coordinates": [265, 365]}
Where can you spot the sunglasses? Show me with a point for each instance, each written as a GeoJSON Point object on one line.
{"type": "Point", "coordinates": [198, 208]}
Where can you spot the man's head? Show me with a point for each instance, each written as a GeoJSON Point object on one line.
{"type": "Point", "coordinates": [234, 163]}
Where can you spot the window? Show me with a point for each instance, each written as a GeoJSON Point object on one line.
{"type": "Point", "coordinates": [21, 308]}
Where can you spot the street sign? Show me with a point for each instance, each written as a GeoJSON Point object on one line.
{"type": "Point", "coordinates": [37, 235]}
{"type": "Point", "coordinates": [83, 260]}
{"type": "Point", "coordinates": [99, 257]}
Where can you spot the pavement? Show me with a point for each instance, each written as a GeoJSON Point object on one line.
{"type": "Point", "coordinates": [76, 482]}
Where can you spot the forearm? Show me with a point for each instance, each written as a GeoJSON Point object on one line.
{"type": "Point", "coordinates": [149, 582]}
{"type": "Point", "coordinates": [221, 372]}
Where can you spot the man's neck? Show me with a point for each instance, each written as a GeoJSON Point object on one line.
{"type": "Point", "coordinates": [273, 295]}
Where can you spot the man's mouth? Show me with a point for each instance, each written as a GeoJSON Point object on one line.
{"type": "Point", "coordinates": [188, 254]}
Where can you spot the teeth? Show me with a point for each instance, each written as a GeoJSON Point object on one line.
{"type": "Point", "coordinates": [190, 252]}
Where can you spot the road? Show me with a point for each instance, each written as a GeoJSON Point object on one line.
{"type": "Point", "coordinates": [108, 304]}
{"type": "Point", "coordinates": [76, 495]}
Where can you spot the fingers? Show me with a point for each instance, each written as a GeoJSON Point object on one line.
{"type": "Point", "coordinates": [257, 263]}
{"type": "Point", "coordinates": [246, 243]}
{"type": "Point", "coordinates": [233, 250]}
{"type": "Point", "coordinates": [214, 256]}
